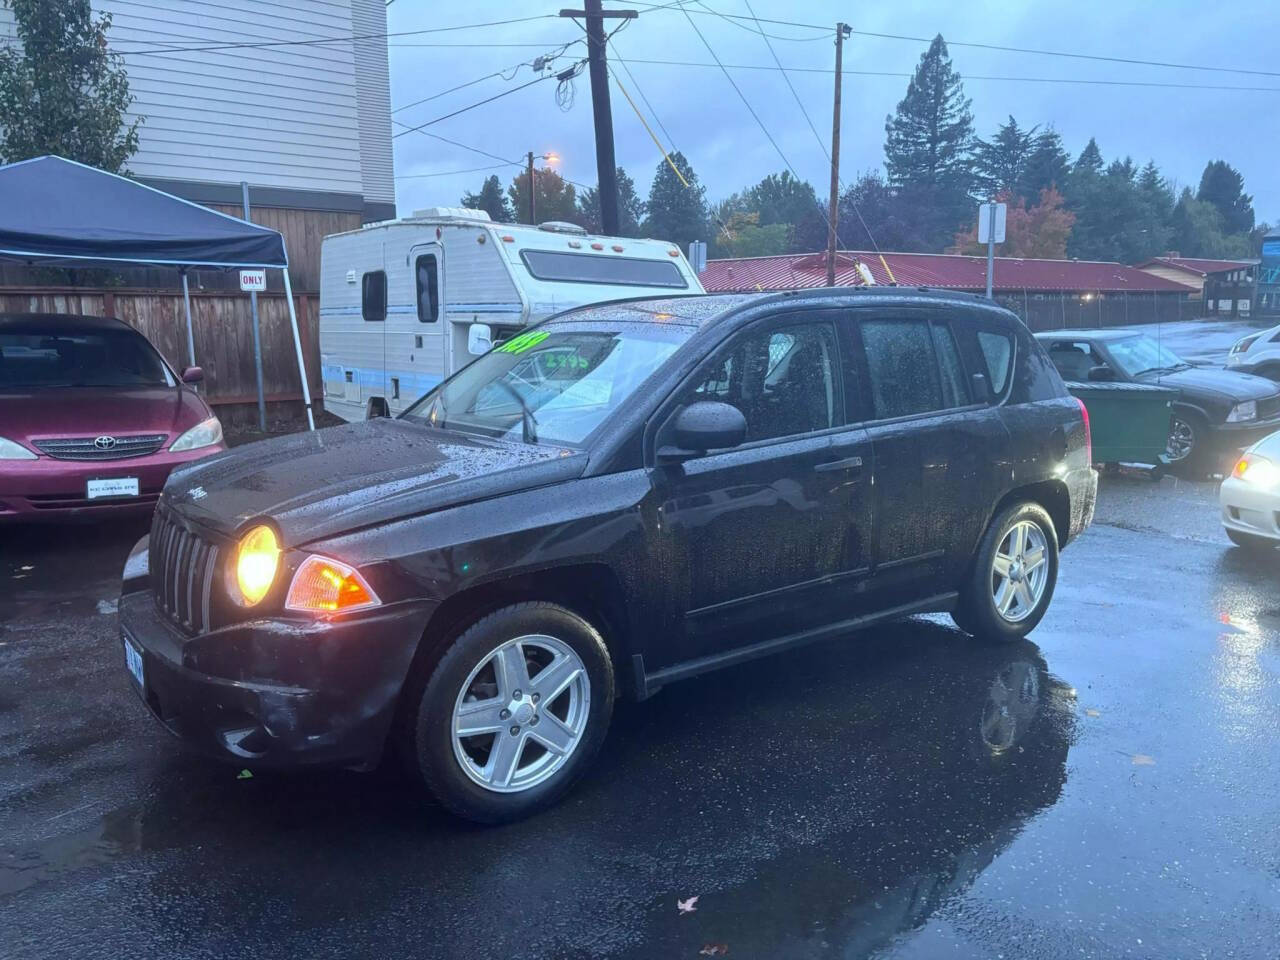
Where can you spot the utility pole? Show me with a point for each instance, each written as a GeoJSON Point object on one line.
{"type": "Point", "coordinates": [842, 30]}
{"type": "Point", "coordinates": [532, 217]}
{"type": "Point", "coordinates": [606, 166]}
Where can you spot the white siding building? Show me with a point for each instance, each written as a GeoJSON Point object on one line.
{"type": "Point", "coordinates": [305, 121]}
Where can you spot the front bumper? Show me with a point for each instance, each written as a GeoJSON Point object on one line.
{"type": "Point", "coordinates": [1233, 437]}
{"type": "Point", "coordinates": [275, 692]}
{"type": "Point", "coordinates": [1249, 509]}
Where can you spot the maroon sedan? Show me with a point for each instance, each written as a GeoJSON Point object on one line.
{"type": "Point", "coordinates": [92, 419]}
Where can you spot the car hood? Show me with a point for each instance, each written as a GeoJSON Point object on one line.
{"type": "Point", "coordinates": [1228, 384]}
{"type": "Point", "coordinates": [317, 485]}
{"type": "Point", "coordinates": [98, 411]}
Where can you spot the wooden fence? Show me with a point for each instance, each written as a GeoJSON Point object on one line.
{"type": "Point", "coordinates": [223, 325]}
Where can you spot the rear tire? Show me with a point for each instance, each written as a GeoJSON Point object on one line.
{"type": "Point", "coordinates": [1015, 570]}
{"type": "Point", "coordinates": [491, 679]}
{"type": "Point", "coordinates": [1250, 541]}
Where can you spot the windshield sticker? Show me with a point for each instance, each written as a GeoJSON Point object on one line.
{"type": "Point", "coordinates": [525, 341]}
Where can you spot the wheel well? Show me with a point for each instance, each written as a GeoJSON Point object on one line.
{"type": "Point", "coordinates": [1050, 494]}
{"type": "Point", "coordinates": [591, 590]}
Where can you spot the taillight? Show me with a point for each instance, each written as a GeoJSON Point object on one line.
{"type": "Point", "coordinates": [1088, 432]}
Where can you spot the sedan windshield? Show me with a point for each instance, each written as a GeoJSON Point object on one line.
{"type": "Point", "coordinates": [555, 384]}
{"type": "Point", "coordinates": [1140, 354]}
{"type": "Point", "coordinates": [31, 360]}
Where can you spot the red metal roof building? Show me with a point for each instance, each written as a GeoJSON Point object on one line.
{"type": "Point", "coordinates": [1225, 288]}
{"type": "Point", "coordinates": [1195, 266]}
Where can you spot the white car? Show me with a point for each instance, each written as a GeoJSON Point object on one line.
{"type": "Point", "coordinates": [1257, 353]}
{"type": "Point", "coordinates": [1250, 497]}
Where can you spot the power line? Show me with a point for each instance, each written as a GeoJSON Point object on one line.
{"type": "Point", "coordinates": [515, 68]}
{"type": "Point", "coordinates": [967, 77]}
{"type": "Point", "coordinates": [450, 173]}
{"type": "Point", "coordinates": [324, 40]}
{"type": "Point", "coordinates": [481, 103]}
{"type": "Point", "coordinates": [988, 46]}
{"type": "Point", "coordinates": [483, 153]}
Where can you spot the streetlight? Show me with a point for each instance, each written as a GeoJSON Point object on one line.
{"type": "Point", "coordinates": [550, 158]}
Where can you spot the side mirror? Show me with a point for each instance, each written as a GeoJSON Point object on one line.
{"type": "Point", "coordinates": [1101, 373]}
{"type": "Point", "coordinates": [702, 426]}
{"type": "Point", "coordinates": [192, 375]}
{"type": "Point", "coordinates": [479, 339]}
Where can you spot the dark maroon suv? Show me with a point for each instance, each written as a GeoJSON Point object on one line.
{"type": "Point", "coordinates": [92, 419]}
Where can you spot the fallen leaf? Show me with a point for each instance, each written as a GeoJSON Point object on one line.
{"type": "Point", "coordinates": [1090, 712]}
{"type": "Point", "coordinates": [714, 950]}
{"type": "Point", "coordinates": [686, 906]}
{"type": "Point", "coordinates": [244, 775]}
{"type": "Point", "coordinates": [1142, 760]}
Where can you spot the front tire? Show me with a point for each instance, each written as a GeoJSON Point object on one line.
{"type": "Point", "coordinates": [1015, 570]}
{"type": "Point", "coordinates": [1188, 446]}
{"type": "Point", "coordinates": [512, 713]}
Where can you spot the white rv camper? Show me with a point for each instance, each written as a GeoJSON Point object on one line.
{"type": "Point", "coordinates": [405, 303]}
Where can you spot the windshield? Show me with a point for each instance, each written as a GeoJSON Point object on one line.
{"type": "Point", "coordinates": [1140, 354]}
{"type": "Point", "coordinates": [31, 360]}
{"type": "Point", "coordinates": [555, 384]}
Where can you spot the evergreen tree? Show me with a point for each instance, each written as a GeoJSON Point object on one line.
{"type": "Point", "coordinates": [1223, 186]}
{"type": "Point", "coordinates": [491, 200]}
{"type": "Point", "coordinates": [61, 90]}
{"type": "Point", "coordinates": [1089, 163]}
{"type": "Point", "coordinates": [676, 213]}
{"type": "Point", "coordinates": [1001, 162]}
{"type": "Point", "coordinates": [1086, 199]}
{"type": "Point", "coordinates": [630, 208]}
{"type": "Point", "coordinates": [1199, 231]}
{"type": "Point", "coordinates": [554, 199]}
{"type": "Point", "coordinates": [1047, 166]}
{"type": "Point", "coordinates": [927, 148]}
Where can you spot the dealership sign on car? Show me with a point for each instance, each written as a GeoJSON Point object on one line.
{"type": "Point", "coordinates": [253, 281]}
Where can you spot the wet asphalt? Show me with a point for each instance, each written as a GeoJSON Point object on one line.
{"type": "Point", "coordinates": [1109, 788]}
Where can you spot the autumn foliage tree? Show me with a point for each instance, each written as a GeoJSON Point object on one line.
{"type": "Point", "coordinates": [1038, 232]}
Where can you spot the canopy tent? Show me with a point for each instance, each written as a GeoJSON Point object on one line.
{"type": "Point", "coordinates": [56, 212]}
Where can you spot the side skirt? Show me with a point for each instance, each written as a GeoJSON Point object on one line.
{"type": "Point", "coordinates": [647, 684]}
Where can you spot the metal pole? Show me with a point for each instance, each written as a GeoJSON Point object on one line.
{"type": "Point", "coordinates": [991, 246]}
{"type": "Point", "coordinates": [833, 205]}
{"type": "Point", "coordinates": [533, 219]}
{"type": "Point", "coordinates": [191, 336]}
{"type": "Point", "coordinates": [257, 334]}
{"type": "Point", "coordinates": [297, 343]}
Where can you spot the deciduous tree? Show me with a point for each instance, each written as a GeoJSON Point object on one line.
{"type": "Point", "coordinates": [554, 199]}
{"type": "Point", "coordinates": [1037, 231]}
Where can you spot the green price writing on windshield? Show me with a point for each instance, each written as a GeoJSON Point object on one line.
{"type": "Point", "coordinates": [526, 341]}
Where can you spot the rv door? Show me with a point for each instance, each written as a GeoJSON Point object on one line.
{"type": "Point", "coordinates": [430, 347]}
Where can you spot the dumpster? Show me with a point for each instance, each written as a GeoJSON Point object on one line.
{"type": "Point", "coordinates": [1129, 422]}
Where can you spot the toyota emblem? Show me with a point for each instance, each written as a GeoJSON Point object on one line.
{"type": "Point", "coordinates": [105, 443]}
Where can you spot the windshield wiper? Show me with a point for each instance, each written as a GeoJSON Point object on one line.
{"type": "Point", "coordinates": [528, 422]}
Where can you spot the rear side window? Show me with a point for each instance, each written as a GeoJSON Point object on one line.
{"type": "Point", "coordinates": [593, 268]}
{"type": "Point", "coordinates": [373, 295]}
{"type": "Point", "coordinates": [914, 368]}
{"type": "Point", "coordinates": [997, 354]}
{"type": "Point", "coordinates": [428, 280]}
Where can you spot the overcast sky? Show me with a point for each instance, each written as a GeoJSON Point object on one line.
{"type": "Point", "coordinates": [1181, 128]}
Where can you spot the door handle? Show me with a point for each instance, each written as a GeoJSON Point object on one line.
{"type": "Point", "coordinates": [846, 463]}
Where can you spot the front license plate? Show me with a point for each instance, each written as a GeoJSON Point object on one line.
{"type": "Point", "coordinates": [115, 487]}
{"type": "Point", "coordinates": [133, 660]}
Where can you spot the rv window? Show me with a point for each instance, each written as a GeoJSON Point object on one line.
{"type": "Point", "coordinates": [373, 295]}
{"type": "Point", "coordinates": [428, 288]}
{"type": "Point", "coordinates": [591, 268]}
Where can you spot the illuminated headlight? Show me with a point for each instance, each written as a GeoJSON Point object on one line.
{"type": "Point", "coordinates": [1257, 471]}
{"type": "Point", "coordinates": [14, 451]}
{"type": "Point", "coordinates": [1243, 412]}
{"type": "Point", "coordinates": [257, 560]}
{"type": "Point", "coordinates": [323, 585]}
{"type": "Point", "coordinates": [204, 434]}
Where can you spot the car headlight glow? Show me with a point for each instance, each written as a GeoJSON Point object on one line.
{"type": "Point", "coordinates": [324, 585]}
{"type": "Point", "coordinates": [204, 434]}
{"type": "Point", "coordinates": [1256, 471]}
{"type": "Point", "coordinates": [257, 560]}
{"type": "Point", "coordinates": [1243, 412]}
{"type": "Point", "coordinates": [14, 451]}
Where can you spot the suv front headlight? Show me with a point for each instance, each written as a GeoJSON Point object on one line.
{"type": "Point", "coordinates": [204, 434]}
{"type": "Point", "coordinates": [1243, 412]}
{"type": "Point", "coordinates": [14, 451]}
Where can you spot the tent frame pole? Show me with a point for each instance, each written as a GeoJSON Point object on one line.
{"type": "Point", "coordinates": [297, 343]}
{"type": "Point", "coordinates": [191, 335]}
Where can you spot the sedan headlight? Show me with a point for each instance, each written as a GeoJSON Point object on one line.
{"type": "Point", "coordinates": [1256, 471]}
{"type": "Point", "coordinates": [1243, 412]}
{"type": "Point", "coordinates": [324, 585]}
{"type": "Point", "coordinates": [1244, 343]}
{"type": "Point", "coordinates": [204, 434]}
{"type": "Point", "coordinates": [14, 451]}
{"type": "Point", "coordinates": [257, 560]}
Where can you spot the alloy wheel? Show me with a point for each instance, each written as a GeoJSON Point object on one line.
{"type": "Point", "coordinates": [1182, 439]}
{"type": "Point", "coordinates": [521, 713]}
{"type": "Point", "coordinates": [1020, 571]}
